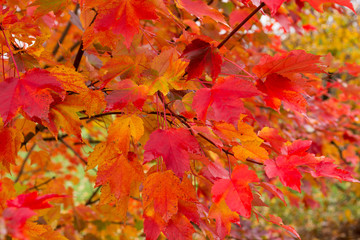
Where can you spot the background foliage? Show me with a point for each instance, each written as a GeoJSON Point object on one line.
{"type": "Point", "coordinates": [181, 119]}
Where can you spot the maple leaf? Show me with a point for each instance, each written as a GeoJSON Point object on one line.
{"type": "Point", "coordinates": [127, 92]}
{"type": "Point", "coordinates": [200, 9]}
{"type": "Point", "coordinates": [202, 56]}
{"type": "Point", "coordinates": [272, 136]}
{"type": "Point", "coordinates": [33, 201]}
{"type": "Point", "coordinates": [273, 5]}
{"type": "Point", "coordinates": [123, 176]}
{"type": "Point", "coordinates": [223, 217]}
{"type": "Point", "coordinates": [64, 115]}
{"type": "Point", "coordinates": [162, 190]}
{"type": "Point", "coordinates": [123, 129]}
{"type": "Point", "coordinates": [169, 71]}
{"type": "Point", "coordinates": [168, 206]}
{"type": "Point", "coordinates": [224, 98]}
{"type": "Point", "coordinates": [236, 191]}
{"type": "Point", "coordinates": [288, 65]}
{"type": "Point", "coordinates": [123, 17]}
{"type": "Point", "coordinates": [174, 146]}
{"type": "Point", "coordinates": [317, 4]}
{"type": "Point", "coordinates": [278, 221]}
{"type": "Point", "coordinates": [328, 169]}
{"type": "Point", "coordinates": [237, 16]}
{"type": "Point", "coordinates": [179, 227]}
{"type": "Point", "coordinates": [69, 78]}
{"type": "Point", "coordinates": [21, 208]}
{"type": "Point", "coordinates": [10, 142]}
{"type": "Point", "coordinates": [33, 93]}
{"type": "Point", "coordinates": [285, 166]}
{"type": "Point", "coordinates": [15, 219]}
{"type": "Point", "coordinates": [279, 89]}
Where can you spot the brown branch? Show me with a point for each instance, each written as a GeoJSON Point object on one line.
{"type": "Point", "coordinates": [78, 57]}
{"type": "Point", "coordinates": [100, 115]}
{"type": "Point", "coordinates": [240, 25]}
{"type": "Point", "coordinates": [23, 163]}
{"type": "Point", "coordinates": [72, 48]}
{"type": "Point", "coordinates": [80, 52]}
{"type": "Point", "coordinates": [340, 152]}
{"type": "Point", "coordinates": [73, 150]}
{"type": "Point", "coordinates": [41, 184]}
{"type": "Point", "coordinates": [31, 135]}
{"type": "Point", "coordinates": [65, 32]}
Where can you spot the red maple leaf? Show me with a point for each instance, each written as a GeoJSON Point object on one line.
{"type": "Point", "coordinates": [236, 191]}
{"type": "Point", "coordinates": [33, 201]}
{"type": "Point", "coordinates": [202, 56]}
{"type": "Point", "coordinates": [285, 166]}
{"type": "Point", "coordinates": [127, 92]}
{"type": "Point", "coordinates": [123, 17]}
{"type": "Point", "coordinates": [174, 146]}
{"type": "Point", "coordinates": [21, 208]}
{"type": "Point", "coordinates": [283, 81]}
{"type": "Point", "coordinates": [33, 93]}
{"type": "Point", "coordinates": [273, 5]}
{"type": "Point", "coordinates": [278, 89]}
{"type": "Point", "coordinates": [317, 4]}
{"type": "Point", "coordinates": [288, 65]}
{"type": "Point", "coordinates": [224, 98]}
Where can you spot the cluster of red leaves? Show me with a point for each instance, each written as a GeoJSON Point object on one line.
{"type": "Point", "coordinates": [181, 127]}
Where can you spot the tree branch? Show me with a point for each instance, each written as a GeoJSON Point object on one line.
{"type": "Point", "coordinates": [65, 32]}
{"type": "Point", "coordinates": [240, 25]}
{"type": "Point", "coordinates": [90, 201]}
{"type": "Point", "coordinates": [73, 150]}
{"type": "Point", "coordinates": [41, 184]}
{"type": "Point", "coordinates": [23, 163]}
{"type": "Point", "coordinates": [80, 52]}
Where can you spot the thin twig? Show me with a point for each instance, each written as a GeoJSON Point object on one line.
{"type": "Point", "coordinates": [240, 25]}
{"type": "Point", "coordinates": [101, 115]}
{"type": "Point", "coordinates": [80, 52]}
{"type": "Point", "coordinates": [31, 135]}
{"type": "Point", "coordinates": [41, 184]}
{"type": "Point", "coordinates": [73, 150]}
{"type": "Point", "coordinates": [90, 201]}
{"type": "Point", "coordinates": [24, 162]}
{"type": "Point", "coordinates": [65, 32]}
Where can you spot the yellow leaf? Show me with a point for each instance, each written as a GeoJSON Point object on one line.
{"type": "Point", "coordinates": [253, 151]}
{"type": "Point", "coordinates": [125, 128]}
{"type": "Point", "coordinates": [10, 142]}
{"type": "Point", "coordinates": [69, 78]}
{"type": "Point", "coordinates": [169, 70]}
{"type": "Point", "coordinates": [93, 101]}
{"type": "Point", "coordinates": [223, 216]}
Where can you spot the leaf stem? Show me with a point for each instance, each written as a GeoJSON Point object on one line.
{"type": "Point", "coordinates": [2, 61]}
{"type": "Point", "coordinates": [240, 25]}
{"type": "Point", "coordinates": [10, 51]}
